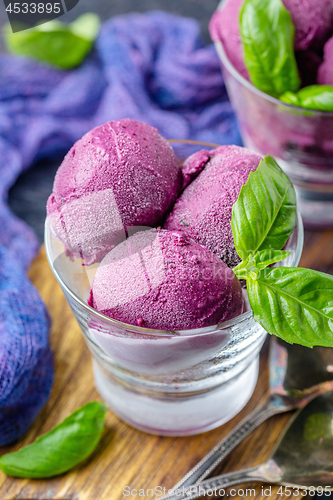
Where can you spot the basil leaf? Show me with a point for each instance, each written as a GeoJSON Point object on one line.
{"type": "Point", "coordinates": [259, 260]}
{"type": "Point", "coordinates": [265, 258]}
{"type": "Point", "coordinates": [316, 97]}
{"type": "Point", "coordinates": [59, 44]}
{"type": "Point", "coordinates": [291, 98]}
{"type": "Point", "coordinates": [60, 449]}
{"type": "Point", "coordinates": [294, 304]}
{"type": "Point", "coordinates": [86, 26]}
{"type": "Point", "coordinates": [267, 32]}
{"type": "Point", "coordinates": [264, 216]}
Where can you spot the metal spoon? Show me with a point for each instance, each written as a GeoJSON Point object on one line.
{"type": "Point", "coordinates": [302, 456]}
{"type": "Point", "coordinates": [296, 375]}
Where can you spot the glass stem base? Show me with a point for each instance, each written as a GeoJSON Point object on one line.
{"type": "Point", "coordinates": [180, 416]}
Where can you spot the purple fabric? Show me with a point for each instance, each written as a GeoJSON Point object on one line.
{"type": "Point", "coordinates": [26, 365]}
{"type": "Point", "coordinates": [149, 67]}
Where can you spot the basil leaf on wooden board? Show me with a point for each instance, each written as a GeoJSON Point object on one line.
{"type": "Point", "coordinates": [259, 260]}
{"type": "Point", "coordinates": [264, 216]}
{"type": "Point", "coordinates": [295, 304]}
{"type": "Point", "coordinates": [59, 44]}
{"type": "Point", "coordinates": [316, 97]}
{"type": "Point", "coordinates": [62, 448]}
{"type": "Point", "coordinates": [267, 32]}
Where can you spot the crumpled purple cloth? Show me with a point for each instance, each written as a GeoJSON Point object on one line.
{"type": "Point", "coordinates": [26, 364]}
{"type": "Point", "coordinates": [150, 67]}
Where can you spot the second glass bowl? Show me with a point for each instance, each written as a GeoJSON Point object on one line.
{"type": "Point", "coordinates": [300, 140]}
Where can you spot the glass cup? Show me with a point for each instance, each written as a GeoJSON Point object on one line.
{"type": "Point", "coordinates": [166, 382]}
{"type": "Point", "coordinates": [299, 139]}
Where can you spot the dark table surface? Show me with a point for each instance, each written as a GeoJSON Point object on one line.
{"type": "Point", "coordinates": [28, 196]}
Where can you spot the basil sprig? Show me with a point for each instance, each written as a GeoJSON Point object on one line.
{"type": "Point", "coordinates": [295, 304]}
{"type": "Point", "coordinates": [259, 260]}
{"type": "Point", "coordinates": [316, 97]}
{"type": "Point", "coordinates": [292, 303]}
{"type": "Point", "coordinates": [265, 213]}
{"type": "Point", "coordinates": [62, 448]}
{"type": "Point", "coordinates": [59, 44]}
{"type": "Point", "coordinates": [267, 33]}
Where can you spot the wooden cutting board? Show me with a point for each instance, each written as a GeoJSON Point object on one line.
{"type": "Point", "coordinates": [126, 457]}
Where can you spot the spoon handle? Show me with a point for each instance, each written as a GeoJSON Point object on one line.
{"type": "Point", "coordinates": [216, 484]}
{"type": "Point", "coordinates": [206, 466]}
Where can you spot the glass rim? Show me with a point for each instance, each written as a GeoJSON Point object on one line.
{"type": "Point", "coordinates": [166, 333]}
{"type": "Point", "coordinates": [231, 68]}
{"type": "Point", "coordinates": [195, 143]}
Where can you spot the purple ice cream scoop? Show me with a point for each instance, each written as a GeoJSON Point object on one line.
{"type": "Point", "coordinates": [203, 210]}
{"type": "Point", "coordinates": [224, 27]}
{"type": "Point", "coordinates": [119, 175]}
{"type": "Point", "coordinates": [325, 71]}
{"type": "Point", "coordinates": [313, 21]}
{"type": "Point", "coordinates": [164, 280]}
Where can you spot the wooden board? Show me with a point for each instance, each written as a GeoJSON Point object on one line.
{"type": "Point", "coordinates": [125, 456]}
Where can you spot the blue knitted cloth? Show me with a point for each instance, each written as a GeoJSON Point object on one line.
{"type": "Point", "coordinates": [149, 67]}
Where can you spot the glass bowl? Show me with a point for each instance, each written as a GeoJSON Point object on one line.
{"type": "Point", "coordinates": [166, 382]}
{"type": "Point", "coordinates": [300, 140]}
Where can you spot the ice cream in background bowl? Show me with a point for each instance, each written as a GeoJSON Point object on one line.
{"type": "Point", "coordinates": [301, 140]}
{"type": "Point", "coordinates": [174, 345]}
{"type": "Point", "coordinates": [325, 69]}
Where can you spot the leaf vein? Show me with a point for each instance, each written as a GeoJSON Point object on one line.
{"type": "Point", "coordinates": [304, 304]}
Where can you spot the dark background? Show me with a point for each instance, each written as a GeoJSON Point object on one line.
{"type": "Point", "coordinates": [28, 196]}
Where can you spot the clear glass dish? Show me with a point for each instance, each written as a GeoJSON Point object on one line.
{"type": "Point", "coordinates": [166, 382]}
{"type": "Point", "coordinates": [300, 140]}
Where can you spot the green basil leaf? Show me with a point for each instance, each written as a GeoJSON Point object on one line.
{"type": "Point", "coordinates": [259, 260]}
{"type": "Point", "coordinates": [267, 32]}
{"type": "Point", "coordinates": [86, 26]}
{"type": "Point", "coordinates": [62, 448]}
{"type": "Point", "coordinates": [265, 258]}
{"type": "Point", "coordinates": [264, 216]}
{"type": "Point", "coordinates": [316, 97]}
{"type": "Point", "coordinates": [294, 304]}
{"type": "Point", "coordinates": [59, 44]}
{"type": "Point", "coordinates": [291, 98]}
